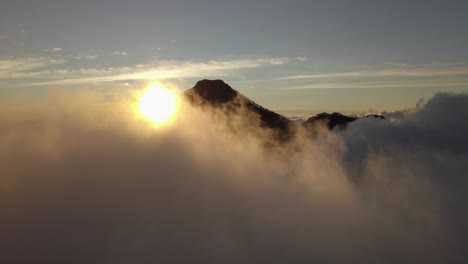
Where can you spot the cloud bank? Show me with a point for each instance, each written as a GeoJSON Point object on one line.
{"type": "Point", "coordinates": [85, 180]}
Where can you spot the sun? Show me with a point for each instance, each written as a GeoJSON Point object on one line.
{"type": "Point", "coordinates": [158, 104]}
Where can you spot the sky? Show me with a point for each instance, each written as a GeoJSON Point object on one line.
{"type": "Point", "coordinates": [304, 56]}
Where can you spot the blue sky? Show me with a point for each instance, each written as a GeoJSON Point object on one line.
{"type": "Point", "coordinates": [292, 55]}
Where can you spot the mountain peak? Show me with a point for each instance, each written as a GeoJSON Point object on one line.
{"type": "Point", "coordinates": [214, 91]}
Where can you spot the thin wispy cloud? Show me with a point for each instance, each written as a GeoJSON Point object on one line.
{"type": "Point", "coordinates": [119, 53]}
{"type": "Point", "coordinates": [379, 84]}
{"type": "Point", "coordinates": [12, 68]}
{"type": "Point", "coordinates": [60, 70]}
{"type": "Point", "coordinates": [91, 57]}
{"type": "Point", "coordinates": [301, 58]}
{"type": "Point", "coordinates": [401, 71]}
{"type": "Point", "coordinates": [20, 64]}
{"type": "Point", "coordinates": [391, 75]}
{"type": "Point", "coordinates": [36, 72]}
{"type": "Point", "coordinates": [86, 57]}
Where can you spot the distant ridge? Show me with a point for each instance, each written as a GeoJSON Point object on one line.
{"type": "Point", "coordinates": [335, 120]}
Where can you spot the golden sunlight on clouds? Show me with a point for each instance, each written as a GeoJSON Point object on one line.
{"type": "Point", "coordinates": [158, 104]}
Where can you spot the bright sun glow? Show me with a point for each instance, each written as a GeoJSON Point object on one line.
{"type": "Point", "coordinates": [158, 104]}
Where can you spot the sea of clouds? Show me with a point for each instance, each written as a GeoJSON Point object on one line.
{"type": "Point", "coordinates": [83, 179]}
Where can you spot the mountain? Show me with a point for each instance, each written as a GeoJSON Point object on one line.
{"type": "Point", "coordinates": [219, 95]}
{"type": "Point", "coordinates": [335, 120]}
{"type": "Point", "coordinates": [212, 92]}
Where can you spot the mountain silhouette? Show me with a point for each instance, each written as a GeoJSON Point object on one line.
{"type": "Point", "coordinates": [216, 94]}
{"type": "Point", "coordinates": [335, 120]}
{"type": "Point", "coordinates": [213, 91]}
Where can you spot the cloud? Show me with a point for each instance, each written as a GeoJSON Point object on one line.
{"type": "Point", "coordinates": [11, 68]}
{"type": "Point", "coordinates": [420, 103]}
{"type": "Point", "coordinates": [160, 70]}
{"type": "Point", "coordinates": [56, 49]}
{"type": "Point", "coordinates": [396, 116]}
{"type": "Point", "coordinates": [119, 53]}
{"type": "Point", "coordinates": [428, 146]}
{"type": "Point", "coordinates": [301, 58]}
{"type": "Point", "coordinates": [91, 57]}
{"type": "Point", "coordinates": [101, 185]}
{"type": "Point", "coordinates": [21, 64]}
{"type": "Point", "coordinates": [403, 71]}
{"type": "Point", "coordinates": [435, 126]}
{"type": "Point", "coordinates": [381, 84]}
{"type": "Point", "coordinates": [391, 75]}
{"type": "Point", "coordinates": [278, 61]}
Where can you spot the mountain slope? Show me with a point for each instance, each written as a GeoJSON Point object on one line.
{"type": "Point", "coordinates": [219, 95]}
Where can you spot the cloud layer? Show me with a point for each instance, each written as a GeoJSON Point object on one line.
{"type": "Point", "coordinates": [86, 180]}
